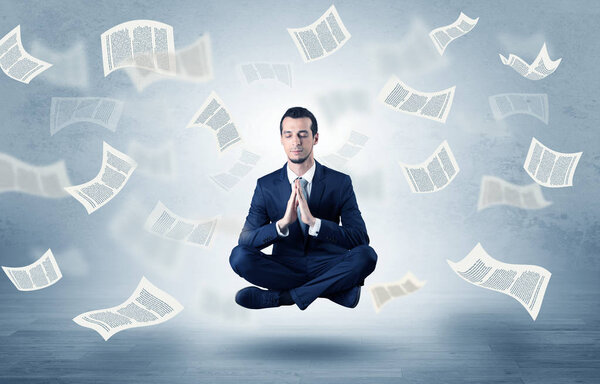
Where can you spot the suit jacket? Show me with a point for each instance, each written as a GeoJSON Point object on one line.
{"type": "Point", "coordinates": [331, 199]}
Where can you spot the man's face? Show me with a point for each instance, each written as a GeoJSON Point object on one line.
{"type": "Point", "coordinates": [297, 139]}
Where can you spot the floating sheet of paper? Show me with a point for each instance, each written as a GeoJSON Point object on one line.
{"type": "Point", "coordinates": [524, 283]}
{"type": "Point", "coordinates": [70, 67]}
{"type": "Point", "coordinates": [550, 168]}
{"type": "Point", "coordinates": [433, 174]}
{"type": "Point", "coordinates": [213, 114]}
{"type": "Point", "coordinates": [430, 105]}
{"type": "Point", "coordinates": [227, 180]}
{"type": "Point", "coordinates": [508, 104]}
{"type": "Point", "coordinates": [41, 274]}
{"type": "Point", "coordinates": [353, 145]}
{"type": "Point", "coordinates": [103, 111]}
{"type": "Point", "coordinates": [193, 63]}
{"type": "Point", "coordinates": [46, 181]}
{"type": "Point", "coordinates": [16, 62]}
{"type": "Point", "coordinates": [495, 191]}
{"type": "Point", "coordinates": [321, 38]}
{"type": "Point", "coordinates": [147, 306]}
{"type": "Point", "coordinates": [383, 293]}
{"type": "Point", "coordinates": [139, 43]}
{"type": "Point", "coordinates": [116, 169]}
{"type": "Point", "coordinates": [540, 68]}
{"type": "Point", "coordinates": [443, 36]}
{"type": "Point", "coordinates": [157, 162]}
{"type": "Point", "coordinates": [164, 223]}
{"type": "Point", "coordinates": [267, 71]}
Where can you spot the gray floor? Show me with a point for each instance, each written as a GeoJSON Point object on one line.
{"type": "Point", "coordinates": [435, 336]}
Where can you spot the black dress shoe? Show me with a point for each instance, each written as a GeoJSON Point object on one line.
{"type": "Point", "coordinates": [256, 298]}
{"type": "Point", "coordinates": [348, 298]}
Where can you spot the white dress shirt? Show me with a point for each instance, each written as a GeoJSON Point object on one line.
{"type": "Point", "coordinates": [308, 176]}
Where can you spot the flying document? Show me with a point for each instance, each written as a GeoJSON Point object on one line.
{"type": "Point", "coordinates": [41, 274]}
{"type": "Point", "coordinates": [508, 104]}
{"type": "Point", "coordinates": [193, 63]}
{"type": "Point", "coordinates": [227, 180]}
{"type": "Point", "coordinates": [214, 115]}
{"type": "Point", "coordinates": [383, 293]}
{"type": "Point", "coordinates": [541, 67]}
{"type": "Point", "coordinates": [157, 162]}
{"type": "Point", "coordinates": [17, 63]}
{"type": "Point", "coordinates": [550, 168]}
{"type": "Point", "coordinates": [103, 111]}
{"type": "Point", "coordinates": [46, 181]}
{"type": "Point", "coordinates": [321, 38]}
{"type": "Point", "coordinates": [353, 145]}
{"type": "Point", "coordinates": [443, 36]}
{"type": "Point", "coordinates": [495, 191]}
{"type": "Point", "coordinates": [162, 222]}
{"type": "Point", "coordinates": [430, 105]}
{"type": "Point", "coordinates": [139, 43]}
{"type": "Point", "coordinates": [116, 169]}
{"type": "Point", "coordinates": [433, 174]}
{"type": "Point", "coordinates": [147, 306]}
{"type": "Point", "coordinates": [70, 67]}
{"type": "Point", "coordinates": [525, 283]}
{"type": "Point", "coordinates": [267, 71]}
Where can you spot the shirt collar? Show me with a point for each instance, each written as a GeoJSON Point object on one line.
{"type": "Point", "coordinates": [308, 175]}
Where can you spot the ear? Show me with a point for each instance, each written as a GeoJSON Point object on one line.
{"type": "Point", "coordinates": [316, 138]}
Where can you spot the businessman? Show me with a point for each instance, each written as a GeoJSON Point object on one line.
{"type": "Point", "coordinates": [298, 209]}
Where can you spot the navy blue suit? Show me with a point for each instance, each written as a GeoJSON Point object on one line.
{"type": "Point", "coordinates": [338, 259]}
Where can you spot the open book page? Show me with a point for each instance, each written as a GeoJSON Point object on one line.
{"type": "Point", "coordinates": [321, 38]}
{"type": "Point", "coordinates": [16, 62]}
{"type": "Point", "coordinates": [147, 306]}
{"type": "Point", "coordinates": [40, 274]}
{"type": "Point", "coordinates": [524, 283]}
{"type": "Point", "coordinates": [116, 169]}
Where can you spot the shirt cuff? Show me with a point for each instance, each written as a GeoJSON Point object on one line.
{"type": "Point", "coordinates": [287, 231]}
{"type": "Point", "coordinates": [314, 230]}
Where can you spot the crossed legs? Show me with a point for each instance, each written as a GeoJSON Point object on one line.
{"type": "Point", "coordinates": [334, 274]}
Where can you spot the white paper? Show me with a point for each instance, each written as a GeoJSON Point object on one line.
{"type": "Point", "coordinates": [16, 62]}
{"type": "Point", "coordinates": [116, 169]}
{"type": "Point", "coordinates": [443, 36]}
{"type": "Point", "coordinates": [352, 147]}
{"type": "Point", "coordinates": [321, 38]}
{"type": "Point", "coordinates": [144, 44]}
{"type": "Point", "coordinates": [147, 306]}
{"type": "Point", "coordinates": [46, 181]}
{"type": "Point", "coordinates": [496, 191]}
{"type": "Point", "coordinates": [259, 71]}
{"type": "Point", "coordinates": [550, 168]}
{"type": "Point", "coordinates": [433, 174]}
{"type": "Point", "coordinates": [524, 283]}
{"type": "Point", "coordinates": [540, 68]}
{"type": "Point", "coordinates": [430, 105]}
{"type": "Point", "coordinates": [383, 293]}
{"type": "Point", "coordinates": [214, 115]}
{"type": "Point", "coordinates": [508, 104]}
{"type": "Point", "coordinates": [102, 111]}
{"type": "Point", "coordinates": [40, 274]}
{"type": "Point", "coordinates": [193, 63]}
{"type": "Point", "coordinates": [245, 164]}
{"type": "Point", "coordinates": [164, 223]}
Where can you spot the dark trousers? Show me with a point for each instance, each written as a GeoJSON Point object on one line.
{"type": "Point", "coordinates": [306, 277]}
